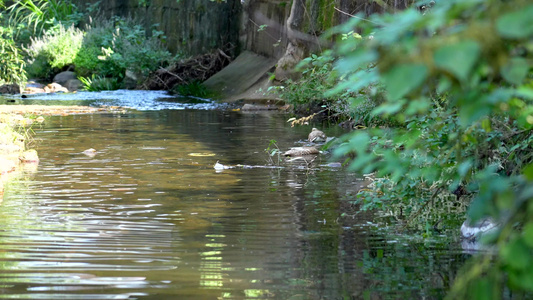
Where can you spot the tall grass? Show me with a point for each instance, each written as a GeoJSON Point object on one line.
{"type": "Point", "coordinates": [42, 14]}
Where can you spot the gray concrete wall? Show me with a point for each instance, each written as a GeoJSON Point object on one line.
{"type": "Point", "coordinates": [197, 26]}
{"type": "Point", "coordinates": [191, 26]}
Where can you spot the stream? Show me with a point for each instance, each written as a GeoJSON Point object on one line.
{"type": "Point", "coordinates": [148, 217]}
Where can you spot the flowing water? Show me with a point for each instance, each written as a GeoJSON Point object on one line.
{"type": "Point", "coordinates": [148, 217]}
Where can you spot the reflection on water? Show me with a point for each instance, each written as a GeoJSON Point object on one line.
{"type": "Point", "coordinates": [148, 217]}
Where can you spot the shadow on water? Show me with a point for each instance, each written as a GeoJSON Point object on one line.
{"type": "Point", "coordinates": [148, 217]}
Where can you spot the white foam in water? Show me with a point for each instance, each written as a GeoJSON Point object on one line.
{"type": "Point", "coordinates": [135, 99]}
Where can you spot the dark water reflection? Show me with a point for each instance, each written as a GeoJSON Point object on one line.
{"type": "Point", "coordinates": [148, 217]}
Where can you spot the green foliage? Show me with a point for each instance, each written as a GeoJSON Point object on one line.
{"type": "Point", "coordinates": [99, 83]}
{"type": "Point", "coordinates": [54, 50]}
{"type": "Point", "coordinates": [313, 91]}
{"type": "Point", "coordinates": [111, 47]}
{"type": "Point", "coordinates": [87, 62]}
{"type": "Point", "coordinates": [195, 88]}
{"type": "Point", "coordinates": [316, 79]}
{"type": "Point", "coordinates": [11, 62]}
{"type": "Point", "coordinates": [273, 151]}
{"type": "Point", "coordinates": [458, 83]}
{"type": "Point", "coordinates": [308, 93]}
{"type": "Point", "coordinates": [34, 17]}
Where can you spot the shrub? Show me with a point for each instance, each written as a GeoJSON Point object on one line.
{"type": "Point", "coordinates": [99, 83]}
{"type": "Point", "coordinates": [41, 15]}
{"type": "Point", "coordinates": [11, 62]}
{"type": "Point", "coordinates": [113, 46]}
{"type": "Point", "coordinates": [458, 81]}
{"type": "Point", "coordinates": [310, 93]}
{"type": "Point", "coordinates": [54, 50]}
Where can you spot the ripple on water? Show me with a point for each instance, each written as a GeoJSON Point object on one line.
{"type": "Point", "coordinates": [148, 215]}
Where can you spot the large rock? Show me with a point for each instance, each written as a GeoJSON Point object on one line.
{"type": "Point", "coordinates": [74, 85]}
{"type": "Point", "coordinates": [63, 77]}
{"type": "Point", "coordinates": [11, 89]}
{"type": "Point", "coordinates": [33, 87]}
{"type": "Point", "coordinates": [54, 88]}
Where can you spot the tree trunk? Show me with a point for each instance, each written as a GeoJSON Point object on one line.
{"type": "Point", "coordinates": [296, 48]}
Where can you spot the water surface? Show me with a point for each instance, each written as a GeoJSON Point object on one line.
{"type": "Point", "coordinates": [148, 217]}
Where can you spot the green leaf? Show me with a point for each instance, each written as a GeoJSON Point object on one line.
{"type": "Point", "coordinates": [444, 85]}
{"type": "Point", "coordinates": [528, 172]}
{"type": "Point", "coordinates": [515, 70]}
{"type": "Point", "coordinates": [516, 24]}
{"type": "Point", "coordinates": [402, 79]}
{"type": "Point", "coordinates": [464, 168]}
{"type": "Point", "coordinates": [528, 234]}
{"type": "Point", "coordinates": [516, 254]}
{"type": "Point", "coordinates": [458, 58]}
{"type": "Point", "coordinates": [388, 108]}
{"type": "Point", "coordinates": [481, 289]}
{"type": "Point", "coordinates": [525, 92]}
{"type": "Point", "coordinates": [485, 124]}
{"type": "Point", "coordinates": [358, 59]}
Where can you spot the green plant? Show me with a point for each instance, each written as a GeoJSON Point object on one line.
{"type": "Point", "coordinates": [11, 62]}
{"type": "Point", "coordinates": [310, 93]}
{"type": "Point", "coordinates": [458, 83]}
{"type": "Point", "coordinates": [316, 79]}
{"type": "Point", "coordinates": [17, 131]}
{"type": "Point", "coordinates": [111, 47]}
{"type": "Point", "coordinates": [194, 88]}
{"type": "Point", "coordinates": [100, 83]}
{"type": "Point", "coordinates": [54, 50]}
{"type": "Point", "coordinates": [40, 15]}
{"type": "Point", "coordinates": [273, 151]}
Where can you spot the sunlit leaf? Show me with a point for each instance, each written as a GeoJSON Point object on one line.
{"type": "Point", "coordinates": [458, 58]}
{"type": "Point", "coordinates": [516, 70]}
{"type": "Point", "coordinates": [402, 79]}
{"type": "Point", "coordinates": [485, 124]}
{"type": "Point", "coordinates": [517, 24]}
{"type": "Point", "coordinates": [525, 92]}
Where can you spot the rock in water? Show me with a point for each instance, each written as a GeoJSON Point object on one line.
{"type": "Point", "coordinates": [317, 136]}
{"type": "Point", "coordinates": [90, 152]}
